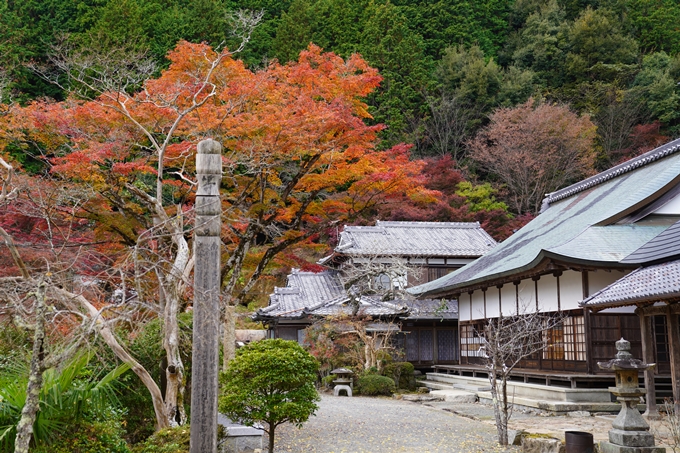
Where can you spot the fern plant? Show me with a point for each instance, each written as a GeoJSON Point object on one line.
{"type": "Point", "coordinates": [67, 395]}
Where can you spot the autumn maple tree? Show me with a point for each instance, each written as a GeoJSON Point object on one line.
{"type": "Point", "coordinates": [298, 158]}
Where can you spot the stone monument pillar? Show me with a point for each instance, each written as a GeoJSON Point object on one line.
{"type": "Point", "coordinates": [630, 433]}
{"type": "Point", "coordinates": [205, 361]}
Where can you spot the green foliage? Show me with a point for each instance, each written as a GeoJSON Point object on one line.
{"type": "Point", "coordinates": [270, 381]}
{"type": "Point", "coordinates": [327, 381]}
{"type": "Point", "coordinates": [655, 23]}
{"type": "Point", "coordinates": [67, 395]}
{"type": "Point", "coordinates": [656, 86]}
{"type": "Point", "coordinates": [169, 440]}
{"type": "Point", "coordinates": [402, 373]}
{"type": "Point", "coordinates": [481, 197]}
{"type": "Point", "coordinates": [147, 348]}
{"type": "Point", "coordinates": [375, 384]}
{"type": "Point", "coordinates": [102, 435]}
{"type": "Point", "coordinates": [541, 44]}
{"type": "Point", "coordinates": [598, 47]}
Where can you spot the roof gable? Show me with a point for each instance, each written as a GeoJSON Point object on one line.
{"type": "Point", "coordinates": [567, 228]}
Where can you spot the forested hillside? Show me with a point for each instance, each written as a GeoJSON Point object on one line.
{"type": "Point", "coordinates": [615, 60]}
{"type": "Point", "coordinates": [449, 67]}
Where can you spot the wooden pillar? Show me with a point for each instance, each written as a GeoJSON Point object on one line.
{"type": "Point", "coordinates": [648, 357]}
{"type": "Point", "coordinates": [205, 361]}
{"type": "Point", "coordinates": [674, 346]}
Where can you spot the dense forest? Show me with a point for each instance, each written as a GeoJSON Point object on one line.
{"type": "Point", "coordinates": [614, 60]}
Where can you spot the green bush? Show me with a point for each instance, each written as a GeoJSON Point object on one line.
{"type": "Point", "coordinates": [170, 440]}
{"type": "Point", "coordinates": [402, 373]}
{"type": "Point", "coordinates": [90, 437]}
{"type": "Point", "coordinates": [374, 384]}
{"type": "Point", "coordinates": [270, 382]}
{"type": "Point", "coordinates": [328, 380]}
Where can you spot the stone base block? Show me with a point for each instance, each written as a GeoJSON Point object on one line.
{"type": "Point", "coordinates": [631, 438]}
{"type": "Point", "coordinates": [338, 388]}
{"type": "Point", "coordinates": [541, 445]}
{"type": "Point", "coordinates": [608, 447]}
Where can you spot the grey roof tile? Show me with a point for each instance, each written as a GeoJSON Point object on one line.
{"type": "Point", "coordinates": [562, 230]}
{"type": "Point", "coordinates": [664, 246]}
{"type": "Point", "coordinates": [446, 239]}
{"type": "Point", "coordinates": [630, 165]}
{"type": "Point", "coordinates": [321, 294]}
{"type": "Point", "coordinates": [646, 284]}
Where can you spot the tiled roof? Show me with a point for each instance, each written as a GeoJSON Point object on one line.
{"type": "Point", "coordinates": [426, 239]}
{"type": "Point", "coordinates": [432, 309]}
{"type": "Point", "coordinates": [321, 294]}
{"type": "Point", "coordinates": [646, 284]}
{"type": "Point", "coordinates": [618, 170]}
{"type": "Point", "coordinates": [575, 228]}
{"type": "Point", "coordinates": [664, 246]}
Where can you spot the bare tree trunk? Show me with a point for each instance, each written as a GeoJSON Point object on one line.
{"type": "Point", "coordinates": [35, 377]}
{"type": "Point", "coordinates": [109, 338]}
{"type": "Point", "coordinates": [174, 372]}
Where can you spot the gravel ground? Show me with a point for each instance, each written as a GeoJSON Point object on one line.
{"type": "Point", "coordinates": [384, 425]}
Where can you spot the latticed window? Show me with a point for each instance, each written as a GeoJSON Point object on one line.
{"type": "Point", "coordinates": [470, 341]}
{"type": "Point", "coordinates": [566, 341]}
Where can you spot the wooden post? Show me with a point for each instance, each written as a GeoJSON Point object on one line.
{"type": "Point", "coordinates": [674, 349]}
{"type": "Point", "coordinates": [207, 241]}
{"type": "Point", "coordinates": [648, 357]}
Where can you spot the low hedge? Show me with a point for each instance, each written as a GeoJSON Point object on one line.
{"type": "Point", "coordinates": [374, 384]}
{"type": "Point", "coordinates": [402, 374]}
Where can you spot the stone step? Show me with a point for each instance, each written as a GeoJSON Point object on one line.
{"type": "Point", "coordinates": [435, 385]}
{"type": "Point", "coordinates": [559, 406]}
{"type": "Point", "coordinates": [455, 396]}
{"type": "Point", "coordinates": [472, 387]}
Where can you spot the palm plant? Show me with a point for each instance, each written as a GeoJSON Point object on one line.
{"type": "Point", "coordinates": [67, 395]}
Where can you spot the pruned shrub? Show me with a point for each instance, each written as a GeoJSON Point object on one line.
{"type": "Point", "coordinates": [375, 384]}
{"type": "Point", "coordinates": [402, 374]}
{"type": "Point", "coordinates": [169, 440]}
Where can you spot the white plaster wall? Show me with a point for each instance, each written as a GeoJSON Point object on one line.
{"type": "Point", "coordinates": [672, 207]}
{"type": "Point", "coordinates": [547, 293]}
{"type": "Point", "coordinates": [509, 306]}
{"type": "Point", "coordinates": [492, 303]}
{"type": "Point", "coordinates": [527, 296]}
{"type": "Point", "coordinates": [571, 290]}
{"type": "Point", "coordinates": [464, 307]}
{"type": "Point", "coordinates": [599, 279]}
{"type": "Point", "coordinates": [478, 304]}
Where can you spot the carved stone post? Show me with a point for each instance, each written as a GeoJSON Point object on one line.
{"type": "Point", "coordinates": [205, 359]}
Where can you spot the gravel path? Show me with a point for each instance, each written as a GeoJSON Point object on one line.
{"type": "Point", "coordinates": [383, 425]}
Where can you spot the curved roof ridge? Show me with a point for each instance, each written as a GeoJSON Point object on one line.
{"type": "Point", "coordinates": [618, 170]}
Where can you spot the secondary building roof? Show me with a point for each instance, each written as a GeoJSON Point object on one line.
{"type": "Point", "coordinates": [321, 294]}
{"type": "Point", "coordinates": [646, 284]}
{"type": "Point", "coordinates": [445, 239]}
{"type": "Point", "coordinates": [577, 224]}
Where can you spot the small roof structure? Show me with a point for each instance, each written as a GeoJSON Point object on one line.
{"type": "Point", "coordinates": [646, 284]}
{"type": "Point", "coordinates": [321, 294]}
{"type": "Point", "coordinates": [590, 223]}
{"type": "Point", "coordinates": [414, 239]}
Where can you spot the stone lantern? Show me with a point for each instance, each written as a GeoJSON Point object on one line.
{"type": "Point", "coordinates": [343, 381]}
{"type": "Point", "coordinates": [630, 433]}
